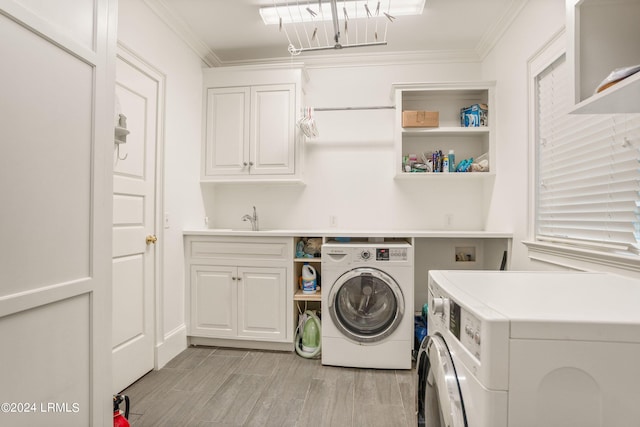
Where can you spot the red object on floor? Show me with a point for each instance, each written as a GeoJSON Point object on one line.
{"type": "Point", "coordinates": [119, 417]}
{"type": "Point", "coordinates": [119, 420]}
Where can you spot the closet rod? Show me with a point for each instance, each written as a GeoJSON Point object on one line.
{"type": "Point", "coordinates": [382, 107]}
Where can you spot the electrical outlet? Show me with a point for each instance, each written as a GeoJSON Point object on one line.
{"type": "Point", "coordinates": [333, 221]}
{"type": "Point", "coordinates": [166, 220]}
{"type": "Point", "coordinates": [206, 221]}
{"type": "Point", "coordinates": [448, 220]}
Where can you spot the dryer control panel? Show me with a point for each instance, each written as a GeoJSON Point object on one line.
{"type": "Point", "coordinates": [466, 328]}
{"type": "Point", "coordinates": [451, 316]}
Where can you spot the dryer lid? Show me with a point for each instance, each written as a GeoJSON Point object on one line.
{"type": "Point", "coordinates": [550, 305]}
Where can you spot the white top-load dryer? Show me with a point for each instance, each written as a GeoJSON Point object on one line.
{"type": "Point", "coordinates": [530, 349]}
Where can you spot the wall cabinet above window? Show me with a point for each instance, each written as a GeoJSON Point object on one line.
{"type": "Point", "coordinates": [250, 126]}
{"type": "Point", "coordinates": [603, 36]}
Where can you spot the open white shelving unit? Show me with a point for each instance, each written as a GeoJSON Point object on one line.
{"type": "Point", "coordinates": [603, 35]}
{"type": "Point", "coordinates": [447, 99]}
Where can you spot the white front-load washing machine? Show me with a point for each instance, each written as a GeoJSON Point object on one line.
{"type": "Point", "coordinates": [530, 349]}
{"type": "Point", "coordinates": [367, 304]}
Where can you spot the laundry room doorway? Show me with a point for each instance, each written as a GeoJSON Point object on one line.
{"type": "Point", "coordinates": [136, 225]}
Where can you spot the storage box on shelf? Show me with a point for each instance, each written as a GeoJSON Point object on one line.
{"type": "Point", "coordinates": [420, 119]}
{"type": "Point", "coordinates": [603, 36]}
{"type": "Point", "coordinates": [465, 127]}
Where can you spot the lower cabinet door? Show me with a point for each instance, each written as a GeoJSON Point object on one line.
{"type": "Point", "coordinates": [262, 301]}
{"type": "Point", "coordinates": [214, 301]}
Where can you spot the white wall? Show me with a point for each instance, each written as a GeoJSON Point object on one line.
{"type": "Point", "coordinates": [140, 30]}
{"type": "Point", "coordinates": [538, 22]}
{"type": "Point", "coordinates": [349, 170]}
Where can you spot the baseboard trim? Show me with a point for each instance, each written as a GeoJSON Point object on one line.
{"type": "Point", "coordinates": [175, 342]}
{"type": "Point", "coordinates": [259, 345]}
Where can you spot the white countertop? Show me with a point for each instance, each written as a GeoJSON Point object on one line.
{"type": "Point", "coordinates": [347, 233]}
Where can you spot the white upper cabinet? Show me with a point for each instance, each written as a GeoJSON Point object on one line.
{"type": "Point", "coordinates": [226, 150]}
{"type": "Point", "coordinates": [603, 36]}
{"type": "Point", "coordinates": [250, 125]}
{"type": "Point", "coordinates": [272, 142]}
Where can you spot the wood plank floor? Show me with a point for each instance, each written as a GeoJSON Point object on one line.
{"type": "Point", "coordinates": [209, 386]}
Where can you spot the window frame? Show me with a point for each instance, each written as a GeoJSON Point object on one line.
{"type": "Point", "coordinates": [566, 256]}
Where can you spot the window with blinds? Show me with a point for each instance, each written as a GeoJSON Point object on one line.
{"type": "Point", "coordinates": [588, 171]}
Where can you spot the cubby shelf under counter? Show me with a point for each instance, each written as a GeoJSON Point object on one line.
{"type": "Point", "coordinates": [299, 296]}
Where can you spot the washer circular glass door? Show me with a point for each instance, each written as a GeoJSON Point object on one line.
{"type": "Point", "coordinates": [366, 305]}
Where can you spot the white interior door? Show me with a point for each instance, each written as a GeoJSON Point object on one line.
{"type": "Point", "coordinates": [134, 252]}
{"type": "Point", "coordinates": [56, 112]}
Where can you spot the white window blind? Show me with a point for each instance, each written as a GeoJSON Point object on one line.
{"type": "Point", "coordinates": [588, 171]}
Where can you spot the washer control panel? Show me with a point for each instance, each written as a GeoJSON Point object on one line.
{"type": "Point", "coordinates": [386, 254]}
{"type": "Point", "coordinates": [391, 254]}
{"type": "Point", "coordinates": [365, 254]}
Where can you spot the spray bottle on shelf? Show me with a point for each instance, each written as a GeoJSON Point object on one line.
{"type": "Point", "coordinates": [452, 161]}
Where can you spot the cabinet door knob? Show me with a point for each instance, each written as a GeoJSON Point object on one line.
{"type": "Point", "coordinates": [244, 163]}
{"type": "Point", "coordinates": [250, 163]}
{"type": "Point", "coordinates": [151, 239]}
{"type": "Point", "coordinates": [234, 278]}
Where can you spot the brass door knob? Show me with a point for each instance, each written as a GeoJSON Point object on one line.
{"type": "Point", "coordinates": [151, 239]}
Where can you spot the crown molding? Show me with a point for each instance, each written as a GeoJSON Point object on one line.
{"type": "Point", "coordinates": [481, 50]}
{"type": "Point", "coordinates": [368, 59]}
{"type": "Point", "coordinates": [497, 30]}
{"type": "Point", "coordinates": [178, 26]}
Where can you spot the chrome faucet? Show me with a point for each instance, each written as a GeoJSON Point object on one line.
{"type": "Point", "coordinates": [253, 219]}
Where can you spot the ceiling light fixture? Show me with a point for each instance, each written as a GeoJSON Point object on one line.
{"type": "Point", "coordinates": [356, 23]}
{"type": "Point", "coordinates": [309, 11]}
